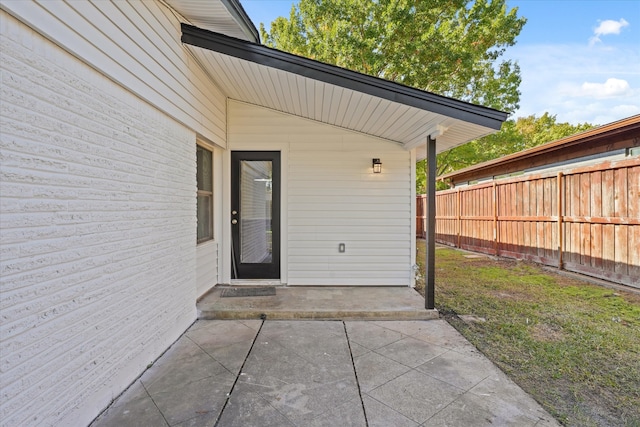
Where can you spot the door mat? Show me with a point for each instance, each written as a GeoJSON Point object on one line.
{"type": "Point", "coordinates": [248, 292]}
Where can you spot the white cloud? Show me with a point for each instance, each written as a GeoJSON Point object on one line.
{"type": "Point", "coordinates": [616, 112]}
{"type": "Point", "coordinates": [598, 113]}
{"type": "Point", "coordinates": [625, 110]}
{"type": "Point", "coordinates": [579, 83]}
{"type": "Point", "coordinates": [611, 88]}
{"type": "Point", "coordinates": [610, 27]}
{"type": "Point", "coordinates": [607, 27]}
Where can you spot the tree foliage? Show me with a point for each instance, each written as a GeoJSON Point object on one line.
{"type": "Point", "coordinates": [448, 47]}
{"type": "Point", "coordinates": [515, 135]}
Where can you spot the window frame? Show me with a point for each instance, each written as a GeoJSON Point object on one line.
{"type": "Point", "coordinates": [204, 193]}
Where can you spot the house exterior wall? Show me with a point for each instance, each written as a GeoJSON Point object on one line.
{"type": "Point", "coordinates": [206, 266]}
{"type": "Point", "coordinates": [331, 196]}
{"type": "Point", "coordinates": [137, 45]}
{"type": "Point", "coordinates": [207, 262]}
{"type": "Point", "coordinates": [99, 265]}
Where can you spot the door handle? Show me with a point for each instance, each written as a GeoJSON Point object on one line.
{"type": "Point", "coordinates": [234, 221]}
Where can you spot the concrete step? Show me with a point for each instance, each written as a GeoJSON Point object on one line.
{"type": "Point", "coordinates": [319, 303]}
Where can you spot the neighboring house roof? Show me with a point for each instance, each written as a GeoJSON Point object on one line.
{"type": "Point", "coordinates": [224, 16]}
{"type": "Point", "coordinates": [329, 94]}
{"type": "Point", "coordinates": [604, 139]}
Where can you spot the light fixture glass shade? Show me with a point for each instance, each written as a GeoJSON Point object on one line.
{"type": "Point", "coordinates": [377, 166]}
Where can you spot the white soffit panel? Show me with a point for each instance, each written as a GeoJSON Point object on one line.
{"type": "Point", "coordinates": [216, 15]}
{"type": "Point", "coordinates": [262, 80]}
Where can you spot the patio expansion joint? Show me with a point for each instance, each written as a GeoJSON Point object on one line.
{"type": "Point", "coordinates": [409, 369]}
{"type": "Point", "coordinates": [394, 410]}
{"type": "Point", "coordinates": [211, 356]}
{"type": "Point", "coordinates": [255, 338]}
{"type": "Point", "coordinates": [467, 391]}
{"type": "Point", "coordinates": [355, 373]}
{"type": "Point", "coordinates": [154, 403]}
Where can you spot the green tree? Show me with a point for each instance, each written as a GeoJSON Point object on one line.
{"type": "Point", "coordinates": [515, 135]}
{"type": "Point", "coordinates": [450, 47]}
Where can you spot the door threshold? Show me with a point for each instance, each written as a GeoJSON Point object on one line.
{"type": "Point", "coordinates": [256, 282]}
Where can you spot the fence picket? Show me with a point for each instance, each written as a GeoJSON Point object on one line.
{"type": "Point", "coordinates": [585, 220]}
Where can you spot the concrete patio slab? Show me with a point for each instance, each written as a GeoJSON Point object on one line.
{"type": "Point", "coordinates": [381, 415]}
{"type": "Point", "coordinates": [323, 373]}
{"type": "Point", "coordinates": [458, 369]}
{"type": "Point", "coordinates": [320, 303]}
{"type": "Point", "coordinates": [416, 396]}
{"type": "Point", "coordinates": [375, 370]}
{"type": "Point", "coordinates": [302, 369]}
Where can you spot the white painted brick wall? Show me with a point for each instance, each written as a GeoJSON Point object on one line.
{"type": "Point", "coordinates": [98, 254]}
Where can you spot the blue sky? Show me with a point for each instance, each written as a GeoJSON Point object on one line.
{"type": "Point", "coordinates": [579, 59]}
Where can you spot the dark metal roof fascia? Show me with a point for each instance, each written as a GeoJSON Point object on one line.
{"type": "Point", "coordinates": [396, 92]}
{"type": "Point", "coordinates": [237, 11]}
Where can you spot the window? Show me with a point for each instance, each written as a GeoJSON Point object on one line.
{"type": "Point", "coordinates": [204, 176]}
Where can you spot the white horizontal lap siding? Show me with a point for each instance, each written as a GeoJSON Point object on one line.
{"type": "Point", "coordinates": [206, 266]}
{"type": "Point", "coordinates": [333, 197]}
{"type": "Point", "coordinates": [136, 44]}
{"type": "Point", "coordinates": [98, 261]}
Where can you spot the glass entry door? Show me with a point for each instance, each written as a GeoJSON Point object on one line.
{"type": "Point", "coordinates": [255, 214]}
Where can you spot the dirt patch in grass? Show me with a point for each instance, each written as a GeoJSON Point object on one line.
{"type": "Point", "coordinates": [547, 333]}
{"type": "Point", "coordinates": [512, 295]}
{"type": "Point", "coordinates": [572, 345]}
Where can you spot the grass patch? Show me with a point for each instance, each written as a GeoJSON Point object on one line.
{"type": "Point", "coordinates": [572, 345]}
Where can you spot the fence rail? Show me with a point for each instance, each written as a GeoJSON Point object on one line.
{"type": "Point", "coordinates": [585, 220]}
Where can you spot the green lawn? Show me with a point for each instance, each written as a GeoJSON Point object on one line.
{"type": "Point", "coordinates": [574, 346]}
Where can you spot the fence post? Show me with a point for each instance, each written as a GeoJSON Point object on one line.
{"type": "Point", "coordinates": [560, 231]}
{"type": "Point", "coordinates": [424, 216]}
{"type": "Point", "coordinates": [458, 224]}
{"type": "Point", "coordinates": [495, 217]}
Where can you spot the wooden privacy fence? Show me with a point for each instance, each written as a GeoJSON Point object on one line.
{"type": "Point", "coordinates": [585, 220]}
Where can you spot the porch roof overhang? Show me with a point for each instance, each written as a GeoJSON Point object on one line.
{"type": "Point", "coordinates": [284, 82]}
{"type": "Point", "coordinates": [225, 16]}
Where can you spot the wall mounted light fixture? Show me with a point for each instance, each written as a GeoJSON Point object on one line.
{"type": "Point", "coordinates": [377, 165]}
